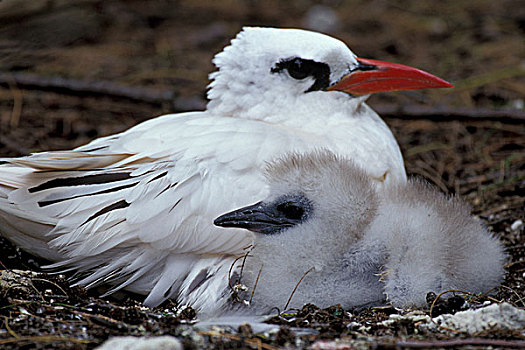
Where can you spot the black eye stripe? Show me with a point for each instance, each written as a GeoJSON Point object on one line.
{"type": "Point", "coordinates": [294, 207]}
{"type": "Point", "coordinates": [300, 69]}
{"type": "Point", "coordinates": [291, 210]}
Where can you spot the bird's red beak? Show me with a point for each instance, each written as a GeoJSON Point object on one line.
{"type": "Point", "coordinates": [375, 76]}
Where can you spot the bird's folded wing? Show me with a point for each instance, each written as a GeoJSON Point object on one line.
{"type": "Point", "coordinates": [159, 184]}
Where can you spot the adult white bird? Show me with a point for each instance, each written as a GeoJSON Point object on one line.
{"type": "Point", "coordinates": [326, 233]}
{"type": "Point", "coordinates": [136, 209]}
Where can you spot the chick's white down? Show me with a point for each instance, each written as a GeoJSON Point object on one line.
{"type": "Point", "coordinates": [135, 210]}
{"type": "Point", "coordinates": [358, 246]}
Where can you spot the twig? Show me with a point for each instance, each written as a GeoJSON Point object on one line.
{"type": "Point", "coordinates": [87, 88]}
{"type": "Point", "coordinates": [448, 113]}
{"type": "Point", "coordinates": [17, 302]}
{"type": "Point", "coordinates": [52, 283]}
{"type": "Point", "coordinates": [45, 339]}
{"type": "Point", "coordinates": [436, 179]}
{"type": "Point", "coordinates": [9, 330]}
{"type": "Point", "coordinates": [520, 299]}
{"type": "Point", "coordinates": [230, 273]}
{"type": "Point", "coordinates": [297, 285]}
{"type": "Point", "coordinates": [514, 263]}
{"type": "Point", "coordinates": [434, 302]}
{"type": "Point", "coordinates": [256, 283]}
{"type": "Point", "coordinates": [428, 147]}
{"type": "Point", "coordinates": [154, 96]}
{"type": "Point", "coordinates": [479, 178]}
{"type": "Point", "coordinates": [254, 341]}
{"type": "Point", "coordinates": [449, 343]}
{"type": "Point", "coordinates": [22, 286]}
{"type": "Point", "coordinates": [104, 320]}
{"type": "Point", "coordinates": [244, 262]}
{"type": "Point", "coordinates": [487, 78]}
{"type": "Point", "coordinates": [18, 98]}
{"type": "Point", "coordinates": [242, 267]}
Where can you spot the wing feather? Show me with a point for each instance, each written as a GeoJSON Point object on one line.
{"type": "Point", "coordinates": [137, 208]}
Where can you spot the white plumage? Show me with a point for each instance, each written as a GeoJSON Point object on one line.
{"type": "Point", "coordinates": [358, 246]}
{"type": "Point", "coordinates": [136, 209]}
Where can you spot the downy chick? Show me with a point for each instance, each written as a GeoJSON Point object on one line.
{"type": "Point", "coordinates": [356, 245]}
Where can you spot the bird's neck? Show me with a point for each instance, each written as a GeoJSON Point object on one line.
{"type": "Point", "coordinates": [309, 110]}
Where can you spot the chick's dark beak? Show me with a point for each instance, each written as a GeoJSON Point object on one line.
{"type": "Point", "coordinates": [259, 217]}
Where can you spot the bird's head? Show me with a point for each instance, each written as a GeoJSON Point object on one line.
{"type": "Point", "coordinates": [317, 211]}
{"type": "Point", "coordinates": [317, 202]}
{"type": "Point", "coordinates": [265, 67]}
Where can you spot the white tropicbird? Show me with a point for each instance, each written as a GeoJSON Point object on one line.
{"type": "Point", "coordinates": [326, 233]}
{"type": "Point", "coordinates": [136, 209]}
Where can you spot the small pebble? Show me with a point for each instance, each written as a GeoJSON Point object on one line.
{"type": "Point", "coordinates": [516, 225]}
{"type": "Point", "coordinates": [165, 342]}
{"type": "Point", "coordinates": [502, 316]}
{"type": "Point", "coordinates": [517, 104]}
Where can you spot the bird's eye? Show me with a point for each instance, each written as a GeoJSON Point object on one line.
{"type": "Point", "coordinates": [291, 210]}
{"type": "Point", "coordinates": [299, 69]}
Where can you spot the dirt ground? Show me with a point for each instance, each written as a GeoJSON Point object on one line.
{"type": "Point", "coordinates": [74, 71]}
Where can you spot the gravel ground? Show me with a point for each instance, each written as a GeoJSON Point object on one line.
{"type": "Point", "coordinates": [162, 50]}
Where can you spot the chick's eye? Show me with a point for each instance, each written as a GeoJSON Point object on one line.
{"type": "Point", "coordinates": [291, 210]}
{"type": "Point", "coordinates": [299, 69]}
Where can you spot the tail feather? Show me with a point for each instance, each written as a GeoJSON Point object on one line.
{"type": "Point", "coordinates": [22, 219]}
{"type": "Point", "coordinates": [32, 241]}
{"type": "Point", "coordinates": [65, 160]}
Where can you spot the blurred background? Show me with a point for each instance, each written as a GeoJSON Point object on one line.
{"type": "Point", "coordinates": [167, 46]}
{"type": "Point", "coordinates": [71, 71]}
